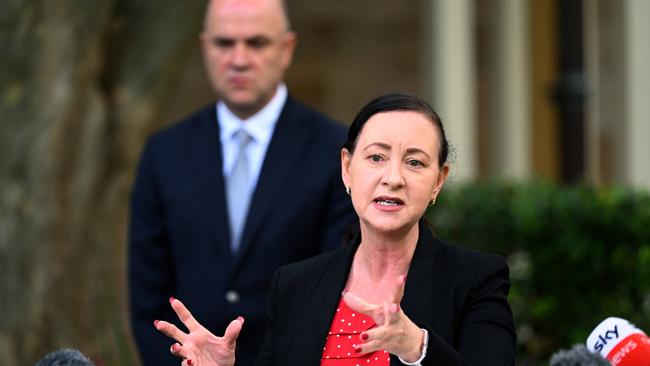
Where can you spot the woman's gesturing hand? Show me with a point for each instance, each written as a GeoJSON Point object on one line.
{"type": "Point", "coordinates": [394, 332]}
{"type": "Point", "coordinates": [199, 347]}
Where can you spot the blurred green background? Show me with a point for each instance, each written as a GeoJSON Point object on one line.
{"type": "Point", "coordinates": [530, 91]}
{"type": "Point", "coordinates": [576, 254]}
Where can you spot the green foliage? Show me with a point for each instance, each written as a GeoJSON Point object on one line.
{"type": "Point", "coordinates": [577, 254]}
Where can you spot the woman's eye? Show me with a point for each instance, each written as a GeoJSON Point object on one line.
{"type": "Point", "coordinates": [375, 158]}
{"type": "Point", "coordinates": [415, 163]}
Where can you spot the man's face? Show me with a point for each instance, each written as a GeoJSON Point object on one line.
{"type": "Point", "coordinates": [246, 50]}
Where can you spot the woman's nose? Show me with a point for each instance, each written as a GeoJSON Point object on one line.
{"type": "Point", "coordinates": [393, 176]}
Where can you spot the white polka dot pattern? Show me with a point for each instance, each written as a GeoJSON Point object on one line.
{"type": "Point", "coordinates": [344, 336]}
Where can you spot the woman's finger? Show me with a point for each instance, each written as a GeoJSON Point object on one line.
{"type": "Point", "coordinates": [170, 330]}
{"type": "Point", "coordinates": [398, 289]}
{"type": "Point", "coordinates": [394, 313]}
{"type": "Point", "coordinates": [358, 304]}
{"type": "Point", "coordinates": [184, 315]}
{"type": "Point", "coordinates": [179, 351]}
{"type": "Point", "coordinates": [373, 334]}
{"type": "Point", "coordinates": [232, 331]}
{"type": "Point", "coordinates": [385, 307]}
{"type": "Point", "coordinates": [173, 349]}
{"type": "Point", "coordinates": [370, 346]}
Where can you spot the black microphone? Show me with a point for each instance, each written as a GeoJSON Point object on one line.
{"type": "Point", "coordinates": [579, 355]}
{"type": "Point", "coordinates": [65, 357]}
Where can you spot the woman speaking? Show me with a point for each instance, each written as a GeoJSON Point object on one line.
{"type": "Point", "coordinates": [396, 294]}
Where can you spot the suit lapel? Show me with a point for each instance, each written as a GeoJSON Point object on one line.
{"type": "Point", "coordinates": [206, 154]}
{"type": "Point", "coordinates": [290, 137]}
{"type": "Point", "coordinates": [319, 310]}
{"type": "Point", "coordinates": [417, 300]}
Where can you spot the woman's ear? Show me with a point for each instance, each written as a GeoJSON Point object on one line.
{"type": "Point", "coordinates": [442, 178]}
{"type": "Point", "coordinates": [346, 157]}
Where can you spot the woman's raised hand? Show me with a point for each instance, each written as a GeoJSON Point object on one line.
{"type": "Point", "coordinates": [395, 332]}
{"type": "Point", "coordinates": [199, 347]}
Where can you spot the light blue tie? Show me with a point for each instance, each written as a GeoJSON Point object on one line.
{"type": "Point", "coordinates": [238, 191]}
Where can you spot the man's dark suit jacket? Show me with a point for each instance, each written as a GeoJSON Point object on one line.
{"type": "Point", "coordinates": [459, 295]}
{"type": "Point", "coordinates": [179, 241]}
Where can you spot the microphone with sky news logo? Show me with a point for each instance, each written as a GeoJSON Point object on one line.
{"type": "Point", "coordinates": [622, 343]}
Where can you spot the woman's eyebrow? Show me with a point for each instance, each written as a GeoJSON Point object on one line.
{"type": "Point", "coordinates": [415, 150]}
{"type": "Point", "coordinates": [381, 145]}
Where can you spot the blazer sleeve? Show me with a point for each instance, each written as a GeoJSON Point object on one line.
{"type": "Point", "coordinates": [486, 333]}
{"type": "Point", "coordinates": [150, 274]}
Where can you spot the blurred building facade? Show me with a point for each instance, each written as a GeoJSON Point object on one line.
{"type": "Point", "coordinates": [561, 88]}
{"type": "Point", "coordinates": [528, 89]}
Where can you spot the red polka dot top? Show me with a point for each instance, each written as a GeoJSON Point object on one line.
{"type": "Point", "coordinates": [344, 336]}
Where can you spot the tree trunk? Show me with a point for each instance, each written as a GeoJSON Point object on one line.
{"type": "Point", "coordinates": [81, 86]}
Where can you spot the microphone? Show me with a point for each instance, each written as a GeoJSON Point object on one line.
{"type": "Point", "coordinates": [579, 355]}
{"type": "Point", "coordinates": [621, 342]}
{"type": "Point", "coordinates": [65, 357]}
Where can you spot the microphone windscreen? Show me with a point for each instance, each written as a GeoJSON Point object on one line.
{"type": "Point", "coordinates": [579, 355]}
{"type": "Point", "coordinates": [622, 343]}
{"type": "Point", "coordinates": [65, 357]}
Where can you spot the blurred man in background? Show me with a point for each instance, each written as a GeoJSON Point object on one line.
{"type": "Point", "coordinates": [239, 188]}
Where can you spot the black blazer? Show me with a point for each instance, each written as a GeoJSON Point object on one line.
{"type": "Point", "coordinates": [179, 236]}
{"type": "Point", "coordinates": [459, 295]}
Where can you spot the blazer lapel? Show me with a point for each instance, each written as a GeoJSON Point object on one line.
{"type": "Point", "coordinates": [290, 137]}
{"type": "Point", "coordinates": [206, 154]}
{"type": "Point", "coordinates": [417, 300]}
{"type": "Point", "coordinates": [319, 311]}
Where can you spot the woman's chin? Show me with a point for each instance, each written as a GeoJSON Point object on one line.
{"type": "Point", "coordinates": [389, 226]}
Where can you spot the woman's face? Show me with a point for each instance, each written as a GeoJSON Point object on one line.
{"type": "Point", "coordinates": [394, 173]}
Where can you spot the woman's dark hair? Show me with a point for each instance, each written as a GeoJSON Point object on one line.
{"type": "Point", "coordinates": [397, 101]}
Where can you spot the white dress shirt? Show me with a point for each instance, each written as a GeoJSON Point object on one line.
{"type": "Point", "coordinates": [259, 127]}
